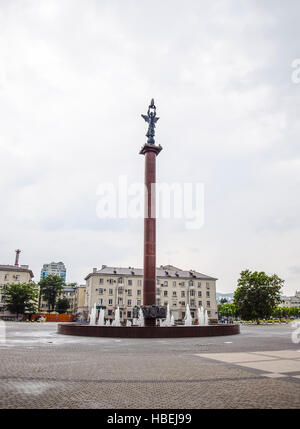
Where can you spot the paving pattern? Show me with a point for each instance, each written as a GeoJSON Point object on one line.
{"type": "Point", "coordinates": [260, 368]}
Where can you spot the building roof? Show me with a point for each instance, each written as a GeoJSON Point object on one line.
{"type": "Point", "coordinates": [163, 271]}
{"type": "Point", "coordinates": [22, 268]}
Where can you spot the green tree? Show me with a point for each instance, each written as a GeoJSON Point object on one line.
{"type": "Point", "coordinates": [62, 305]}
{"type": "Point", "coordinates": [227, 310]}
{"type": "Point", "coordinates": [51, 288]}
{"type": "Point", "coordinates": [257, 295]}
{"type": "Point", "coordinates": [21, 298]}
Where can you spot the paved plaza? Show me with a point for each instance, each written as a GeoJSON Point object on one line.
{"type": "Point", "coordinates": [260, 368]}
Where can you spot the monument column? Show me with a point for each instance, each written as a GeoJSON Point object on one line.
{"type": "Point", "coordinates": [150, 150]}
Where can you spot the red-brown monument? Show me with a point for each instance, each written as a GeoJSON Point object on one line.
{"type": "Point", "coordinates": [150, 150]}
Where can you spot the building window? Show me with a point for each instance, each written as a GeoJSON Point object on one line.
{"type": "Point", "coordinates": [199, 284]}
{"type": "Point", "coordinates": [165, 303]}
{"type": "Point", "coordinates": [192, 303]}
{"type": "Point", "coordinates": [101, 281]}
{"type": "Point", "coordinates": [174, 293]}
{"type": "Point", "coordinates": [6, 277]}
{"type": "Point", "coordinates": [165, 283]}
{"type": "Point", "coordinates": [191, 283]}
{"type": "Point", "coordinates": [183, 303]}
{"type": "Point", "coordinates": [165, 293]}
{"type": "Point", "coordinates": [129, 292]}
{"type": "Point", "coordinates": [207, 285]}
{"type": "Point", "coordinates": [207, 294]}
{"type": "Point", "coordinates": [138, 302]}
{"type": "Point", "coordinates": [120, 280]}
{"type": "Point", "coordinates": [129, 314]}
{"type": "Point", "coordinates": [110, 281]}
{"type": "Point", "coordinates": [199, 293]}
{"type": "Point", "coordinates": [192, 314]}
{"type": "Point", "coordinates": [109, 312]}
{"type": "Point", "coordinates": [208, 303]}
{"type": "Point", "coordinates": [129, 282]}
{"type": "Point", "coordinates": [110, 302]}
{"type": "Point", "coordinates": [120, 301]}
{"type": "Point", "coordinates": [139, 282]}
{"type": "Point", "coordinates": [174, 283]}
{"type": "Point", "coordinates": [208, 313]}
{"type": "Point", "coordinates": [110, 291]}
{"type": "Point", "coordinates": [129, 303]}
{"type": "Point", "coordinates": [139, 292]}
{"type": "Point", "coordinates": [174, 304]}
{"type": "Point", "coordinates": [100, 301]}
{"type": "Point", "coordinates": [183, 293]}
{"type": "Point", "coordinates": [192, 293]}
{"type": "Point", "coordinates": [199, 303]}
{"type": "Point", "coordinates": [101, 291]}
{"type": "Point", "coordinates": [182, 284]}
{"type": "Point", "coordinates": [183, 314]}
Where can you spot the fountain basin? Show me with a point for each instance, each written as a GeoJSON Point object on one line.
{"type": "Point", "coordinates": [81, 329]}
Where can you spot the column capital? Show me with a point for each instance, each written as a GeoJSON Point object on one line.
{"type": "Point", "coordinates": [150, 148]}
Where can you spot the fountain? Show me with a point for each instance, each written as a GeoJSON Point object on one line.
{"type": "Point", "coordinates": [101, 318]}
{"type": "Point", "coordinates": [117, 321]}
{"type": "Point", "coordinates": [144, 323]}
{"type": "Point", "coordinates": [107, 323]}
{"type": "Point", "coordinates": [188, 321]}
{"type": "Point", "coordinates": [128, 322]}
{"type": "Point", "coordinates": [172, 320]}
{"type": "Point", "coordinates": [205, 318]}
{"type": "Point", "coordinates": [141, 321]}
{"type": "Point", "coordinates": [93, 315]}
{"type": "Point", "coordinates": [168, 318]}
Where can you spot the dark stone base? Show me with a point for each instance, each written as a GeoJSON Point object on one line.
{"type": "Point", "coordinates": [147, 331]}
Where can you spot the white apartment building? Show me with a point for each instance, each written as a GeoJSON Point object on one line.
{"type": "Point", "coordinates": [54, 268]}
{"type": "Point", "coordinates": [291, 301]}
{"type": "Point", "coordinates": [12, 274]}
{"type": "Point", "coordinates": [112, 287]}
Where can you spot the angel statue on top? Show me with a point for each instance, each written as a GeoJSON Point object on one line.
{"type": "Point", "coordinates": [151, 119]}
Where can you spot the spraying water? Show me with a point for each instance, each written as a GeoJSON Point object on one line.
{"type": "Point", "coordinates": [188, 321]}
{"type": "Point", "coordinates": [93, 315]}
{"type": "Point", "coordinates": [141, 321]}
{"type": "Point", "coordinates": [117, 318]}
{"type": "Point", "coordinates": [168, 318]}
{"type": "Point", "coordinates": [101, 318]}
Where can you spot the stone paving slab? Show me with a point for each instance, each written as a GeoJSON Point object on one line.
{"type": "Point", "coordinates": [40, 369]}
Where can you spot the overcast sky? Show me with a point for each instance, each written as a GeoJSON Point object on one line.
{"type": "Point", "coordinates": [75, 77]}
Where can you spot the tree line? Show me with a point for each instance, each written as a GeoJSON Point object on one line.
{"type": "Point", "coordinates": [257, 297]}
{"type": "Point", "coordinates": [21, 298]}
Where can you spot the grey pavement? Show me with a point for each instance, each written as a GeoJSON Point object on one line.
{"type": "Point", "coordinates": [39, 368]}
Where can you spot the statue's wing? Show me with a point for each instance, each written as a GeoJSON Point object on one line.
{"type": "Point", "coordinates": [156, 119]}
{"type": "Point", "coordinates": [145, 117]}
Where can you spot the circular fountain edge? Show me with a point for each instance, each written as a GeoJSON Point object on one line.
{"type": "Point", "coordinates": [81, 329]}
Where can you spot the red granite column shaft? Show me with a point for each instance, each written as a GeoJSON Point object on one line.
{"type": "Point", "coordinates": [150, 233]}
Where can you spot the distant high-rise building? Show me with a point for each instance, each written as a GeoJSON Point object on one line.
{"type": "Point", "coordinates": [54, 268]}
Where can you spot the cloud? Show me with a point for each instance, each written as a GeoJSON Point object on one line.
{"type": "Point", "coordinates": [74, 79]}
